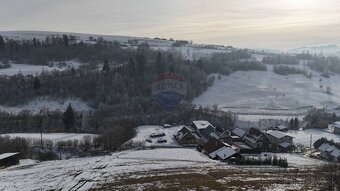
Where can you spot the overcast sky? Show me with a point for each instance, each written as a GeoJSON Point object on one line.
{"type": "Point", "coordinates": [242, 23]}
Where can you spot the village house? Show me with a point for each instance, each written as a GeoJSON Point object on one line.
{"type": "Point", "coordinates": [280, 140]}
{"type": "Point", "coordinates": [9, 159]}
{"type": "Point", "coordinates": [329, 152]}
{"type": "Point", "coordinates": [188, 136]}
{"type": "Point", "coordinates": [238, 132]}
{"type": "Point", "coordinates": [224, 154]}
{"type": "Point", "coordinates": [226, 137]}
{"type": "Point", "coordinates": [218, 150]}
{"type": "Point", "coordinates": [212, 145]}
{"type": "Point", "coordinates": [204, 128]}
{"type": "Point", "coordinates": [256, 139]}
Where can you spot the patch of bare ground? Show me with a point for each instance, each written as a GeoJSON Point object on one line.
{"type": "Point", "coordinates": [214, 178]}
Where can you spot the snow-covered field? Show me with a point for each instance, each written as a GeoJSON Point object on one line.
{"type": "Point", "coordinates": [296, 160]}
{"type": "Point", "coordinates": [144, 132]}
{"type": "Point", "coordinates": [304, 136]}
{"type": "Point", "coordinates": [142, 169]}
{"type": "Point", "coordinates": [85, 173]}
{"type": "Point", "coordinates": [55, 137]}
{"type": "Point", "coordinates": [26, 69]}
{"type": "Point", "coordinates": [44, 103]}
{"type": "Point", "coordinates": [264, 93]}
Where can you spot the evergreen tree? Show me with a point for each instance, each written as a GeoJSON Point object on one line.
{"type": "Point", "coordinates": [171, 59]}
{"type": "Point", "coordinates": [69, 118]}
{"type": "Point", "coordinates": [65, 38]}
{"type": "Point", "coordinates": [159, 64]}
{"type": "Point", "coordinates": [291, 124]}
{"type": "Point", "coordinates": [131, 67]}
{"type": "Point", "coordinates": [296, 123]}
{"type": "Point", "coordinates": [106, 66]}
{"type": "Point", "coordinates": [141, 64]}
{"type": "Point", "coordinates": [36, 83]}
{"type": "Point", "coordinates": [2, 43]}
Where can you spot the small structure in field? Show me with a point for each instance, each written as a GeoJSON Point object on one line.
{"type": "Point", "coordinates": [9, 159]}
{"type": "Point", "coordinates": [281, 128]}
{"type": "Point", "coordinates": [166, 125]}
{"type": "Point", "coordinates": [155, 135]}
{"type": "Point", "coordinates": [336, 127]}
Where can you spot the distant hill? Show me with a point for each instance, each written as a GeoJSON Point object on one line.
{"type": "Point", "coordinates": [331, 49]}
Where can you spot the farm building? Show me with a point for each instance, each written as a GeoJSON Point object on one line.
{"type": "Point", "coordinates": [9, 159]}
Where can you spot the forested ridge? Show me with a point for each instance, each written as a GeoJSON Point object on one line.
{"type": "Point", "coordinates": [114, 81]}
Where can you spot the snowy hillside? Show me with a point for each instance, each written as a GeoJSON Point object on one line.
{"type": "Point", "coordinates": [267, 93]}
{"type": "Point", "coordinates": [86, 173]}
{"type": "Point", "coordinates": [44, 103]}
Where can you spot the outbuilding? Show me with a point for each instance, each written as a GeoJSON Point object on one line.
{"type": "Point", "coordinates": [9, 159]}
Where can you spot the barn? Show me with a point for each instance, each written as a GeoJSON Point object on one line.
{"type": "Point", "coordinates": [9, 159]}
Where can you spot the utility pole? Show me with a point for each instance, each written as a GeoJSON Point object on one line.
{"type": "Point", "coordinates": [311, 137]}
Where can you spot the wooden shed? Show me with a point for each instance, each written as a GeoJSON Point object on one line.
{"type": "Point", "coordinates": [9, 159]}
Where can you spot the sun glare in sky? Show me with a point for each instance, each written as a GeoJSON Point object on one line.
{"type": "Point", "coordinates": [244, 23]}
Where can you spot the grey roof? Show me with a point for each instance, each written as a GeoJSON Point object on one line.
{"type": "Point", "coordinates": [226, 153]}
{"type": "Point", "coordinates": [277, 134]}
{"type": "Point", "coordinates": [202, 124]}
{"type": "Point", "coordinates": [282, 127]}
{"type": "Point", "coordinates": [239, 132]}
{"type": "Point", "coordinates": [324, 146]}
{"type": "Point", "coordinates": [335, 153]}
{"type": "Point", "coordinates": [6, 155]}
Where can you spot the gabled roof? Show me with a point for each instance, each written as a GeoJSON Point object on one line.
{"type": "Point", "coordinates": [212, 145]}
{"type": "Point", "coordinates": [6, 155]}
{"type": "Point", "coordinates": [202, 124]}
{"type": "Point", "coordinates": [239, 132]}
{"type": "Point", "coordinates": [223, 153]}
{"type": "Point", "coordinates": [225, 133]}
{"type": "Point", "coordinates": [212, 134]}
{"type": "Point", "coordinates": [281, 127]}
{"type": "Point", "coordinates": [337, 123]}
{"type": "Point", "coordinates": [330, 149]}
{"type": "Point", "coordinates": [335, 153]}
{"type": "Point", "coordinates": [277, 134]}
{"type": "Point", "coordinates": [324, 146]}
